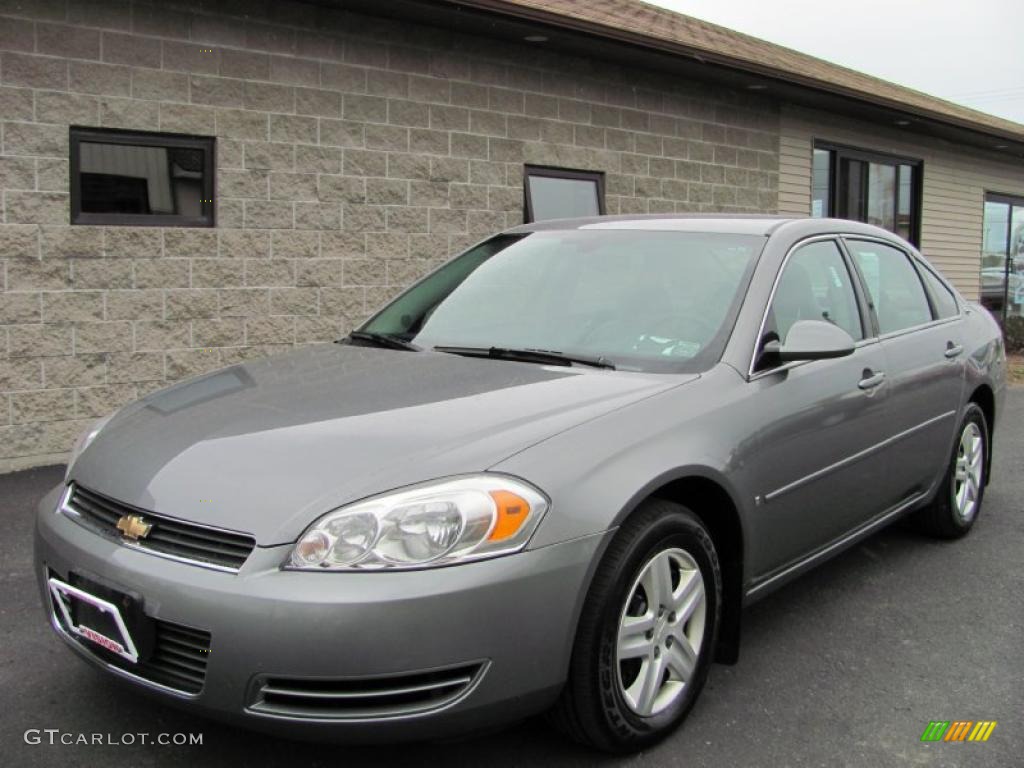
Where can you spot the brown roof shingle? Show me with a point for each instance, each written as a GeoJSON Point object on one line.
{"type": "Point", "coordinates": [638, 22]}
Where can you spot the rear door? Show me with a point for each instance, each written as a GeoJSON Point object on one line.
{"type": "Point", "coordinates": [815, 463]}
{"type": "Point", "coordinates": [920, 327]}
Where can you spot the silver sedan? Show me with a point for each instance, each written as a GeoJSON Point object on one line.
{"type": "Point", "coordinates": [547, 477]}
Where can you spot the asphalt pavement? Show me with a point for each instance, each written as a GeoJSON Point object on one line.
{"type": "Point", "coordinates": [845, 667]}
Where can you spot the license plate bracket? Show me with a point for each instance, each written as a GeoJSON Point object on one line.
{"type": "Point", "coordinates": [64, 597]}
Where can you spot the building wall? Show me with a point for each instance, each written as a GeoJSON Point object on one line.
{"type": "Point", "coordinates": [954, 184]}
{"type": "Point", "coordinates": [353, 155]}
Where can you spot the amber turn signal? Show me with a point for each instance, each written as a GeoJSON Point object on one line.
{"type": "Point", "coordinates": [512, 513]}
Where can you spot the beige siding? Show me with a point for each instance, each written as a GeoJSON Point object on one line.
{"type": "Point", "coordinates": [955, 182]}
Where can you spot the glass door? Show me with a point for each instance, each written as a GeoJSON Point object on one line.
{"type": "Point", "coordinates": [1002, 257]}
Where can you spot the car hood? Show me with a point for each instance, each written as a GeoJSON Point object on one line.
{"type": "Point", "coordinates": [268, 446]}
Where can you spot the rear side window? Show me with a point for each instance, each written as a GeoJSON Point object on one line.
{"type": "Point", "coordinates": [815, 285]}
{"type": "Point", "coordinates": [893, 285]}
{"type": "Point", "coordinates": [942, 297]}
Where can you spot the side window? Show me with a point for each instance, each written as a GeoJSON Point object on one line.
{"type": "Point", "coordinates": [943, 298]}
{"type": "Point", "coordinates": [895, 289]}
{"type": "Point", "coordinates": [815, 285]}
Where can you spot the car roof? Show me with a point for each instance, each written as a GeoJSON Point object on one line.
{"type": "Point", "coordinates": [724, 223]}
{"type": "Point", "coordinates": [676, 222]}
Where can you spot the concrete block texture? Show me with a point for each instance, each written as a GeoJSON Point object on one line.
{"type": "Point", "coordinates": [354, 155]}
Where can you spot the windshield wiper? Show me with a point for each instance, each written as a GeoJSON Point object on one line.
{"type": "Point", "coordinates": [380, 340]}
{"type": "Point", "coordinates": [546, 356]}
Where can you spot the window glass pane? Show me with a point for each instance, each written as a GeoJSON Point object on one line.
{"type": "Point", "coordinates": [853, 189]}
{"type": "Point", "coordinates": [1016, 265]}
{"type": "Point", "coordinates": [881, 203]}
{"type": "Point", "coordinates": [995, 246]}
{"type": "Point", "coordinates": [821, 193]}
{"type": "Point", "coordinates": [945, 302]}
{"type": "Point", "coordinates": [895, 289]}
{"type": "Point", "coordinates": [905, 202]}
{"type": "Point", "coordinates": [815, 285]}
{"type": "Point", "coordinates": [123, 178]}
{"type": "Point", "coordinates": [644, 300]}
{"type": "Point", "coordinates": [563, 198]}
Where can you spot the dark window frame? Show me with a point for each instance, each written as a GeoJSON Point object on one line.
{"type": "Point", "coordinates": [1001, 197]}
{"type": "Point", "coordinates": [837, 152]}
{"type": "Point", "coordinates": [207, 144]}
{"type": "Point", "coordinates": [560, 173]}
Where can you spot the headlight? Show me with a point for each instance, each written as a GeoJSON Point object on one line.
{"type": "Point", "coordinates": [439, 523]}
{"type": "Point", "coordinates": [83, 441]}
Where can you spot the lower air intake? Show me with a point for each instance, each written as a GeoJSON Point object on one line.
{"type": "Point", "coordinates": [364, 698]}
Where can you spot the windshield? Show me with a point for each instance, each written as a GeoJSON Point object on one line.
{"type": "Point", "coordinates": [653, 301]}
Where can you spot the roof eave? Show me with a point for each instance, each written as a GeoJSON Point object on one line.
{"type": "Point", "coordinates": [574, 24]}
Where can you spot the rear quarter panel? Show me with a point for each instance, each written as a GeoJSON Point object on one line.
{"type": "Point", "coordinates": [986, 357]}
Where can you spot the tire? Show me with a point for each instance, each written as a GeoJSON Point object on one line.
{"type": "Point", "coordinates": [605, 702]}
{"type": "Point", "coordinates": [947, 516]}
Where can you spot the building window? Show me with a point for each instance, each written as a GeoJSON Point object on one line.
{"type": "Point", "coordinates": [556, 193]}
{"type": "Point", "coordinates": [1002, 256]}
{"type": "Point", "coordinates": [141, 179]}
{"type": "Point", "coordinates": [866, 186]}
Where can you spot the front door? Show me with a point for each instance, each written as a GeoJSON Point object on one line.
{"type": "Point", "coordinates": [817, 424]}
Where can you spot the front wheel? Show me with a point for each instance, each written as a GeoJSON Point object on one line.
{"type": "Point", "coordinates": [958, 501]}
{"type": "Point", "coordinates": [647, 632]}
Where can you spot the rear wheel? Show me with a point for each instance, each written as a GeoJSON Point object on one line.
{"type": "Point", "coordinates": [958, 501]}
{"type": "Point", "coordinates": [647, 633]}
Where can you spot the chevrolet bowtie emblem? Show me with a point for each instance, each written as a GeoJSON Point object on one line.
{"type": "Point", "coordinates": [133, 527]}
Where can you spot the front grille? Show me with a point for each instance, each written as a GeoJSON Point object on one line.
{"type": "Point", "coordinates": [178, 659]}
{"type": "Point", "coordinates": [364, 698]}
{"type": "Point", "coordinates": [174, 538]}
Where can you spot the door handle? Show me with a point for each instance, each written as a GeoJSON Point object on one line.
{"type": "Point", "coordinates": [953, 350]}
{"type": "Point", "coordinates": [871, 380]}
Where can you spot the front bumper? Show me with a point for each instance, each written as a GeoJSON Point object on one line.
{"type": "Point", "coordinates": [511, 618]}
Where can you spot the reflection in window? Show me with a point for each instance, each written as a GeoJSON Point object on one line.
{"type": "Point", "coordinates": [853, 178]}
{"type": "Point", "coordinates": [645, 300]}
{"type": "Point", "coordinates": [121, 178]}
{"type": "Point", "coordinates": [905, 202]}
{"type": "Point", "coordinates": [821, 184]}
{"type": "Point", "coordinates": [1002, 257]}
{"type": "Point", "coordinates": [558, 194]}
{"type": "Point", "coordinates": [881, 199]}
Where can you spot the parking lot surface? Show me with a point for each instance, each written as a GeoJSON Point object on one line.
{"type": "Point", "coordinates": [845, 667]}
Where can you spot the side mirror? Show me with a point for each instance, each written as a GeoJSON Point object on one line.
{"type": "Point", "coordinates": [811, 340]}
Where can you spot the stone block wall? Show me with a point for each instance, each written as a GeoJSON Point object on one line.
{"type": "Point", "coordinates": [353, 155]}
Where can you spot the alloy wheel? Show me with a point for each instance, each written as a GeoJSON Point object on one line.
{"type": "Point", "coordinates": [969, 472]}
{"type": "Point", "coordinates": [661, 630]}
